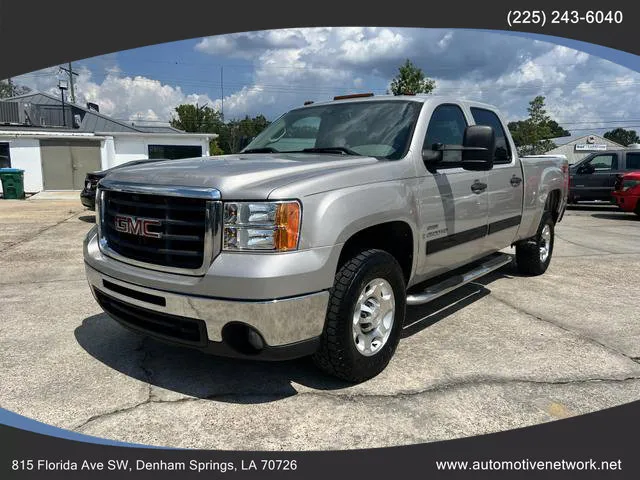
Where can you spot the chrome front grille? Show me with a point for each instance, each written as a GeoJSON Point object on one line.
{"type": "Point", "coordinates": [161, 228]}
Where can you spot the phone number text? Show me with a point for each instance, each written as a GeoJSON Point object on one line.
{"type": "Point", "coordinates": [540, 17]}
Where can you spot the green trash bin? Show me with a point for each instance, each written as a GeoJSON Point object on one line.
{"type": "Point", "coordinates": [12, 183]}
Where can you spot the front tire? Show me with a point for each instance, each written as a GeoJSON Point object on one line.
{"type": "Point", "coordinates": [534, 255]}
{"type": "Point", "coordinates": [364, 319]}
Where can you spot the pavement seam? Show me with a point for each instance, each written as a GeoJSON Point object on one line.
{"type": "Point", "coordinates": [578, 334]}
{"type": "Point", "coordinates": [360, 396]}
{"type": "Point", "coordinates": [34, 236]}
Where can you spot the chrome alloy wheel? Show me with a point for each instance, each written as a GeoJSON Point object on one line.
{"type": "Point", "coordinates": [373, 317]}
{"type": "Point", "coordinates": [545, 243]}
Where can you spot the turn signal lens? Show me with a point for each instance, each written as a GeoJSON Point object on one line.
{"type": "Point", "coordinates": [287, 226]}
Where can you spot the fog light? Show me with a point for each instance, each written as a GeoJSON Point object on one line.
{"type": "Point", "coordinates": [254, 339]}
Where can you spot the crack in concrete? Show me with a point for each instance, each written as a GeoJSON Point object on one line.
{"type": "Point", "coordinates": [38, 233]}
{"type": "Point", "coordinates": [597, 255]}
{"type": "Point", "coordinates": [40, 282]}
{"type": "Point", "coordinates": [442, 387]}
{"type": "Point", "coordinates": [147, 374]}
{"type": "Point", "coordinates": [583, 246]}
{"type": "Point", "coordinates": [578, 334]}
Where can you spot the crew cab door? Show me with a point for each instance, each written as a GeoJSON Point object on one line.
{"type": "Point", "coordinates": [594, 178]}
{"type": "Point", "coordinates": [505, 185]}
{"type": "Point", "coordinates": [452, 201]}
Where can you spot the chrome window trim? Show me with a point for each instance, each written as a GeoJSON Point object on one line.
{"type": "Point", "coordinates": [213, 223]}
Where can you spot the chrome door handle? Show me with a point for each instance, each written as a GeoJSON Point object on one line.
{"type": "Point", "coordinates": [515, 181]}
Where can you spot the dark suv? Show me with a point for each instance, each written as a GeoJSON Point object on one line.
{"type": "Point", "coordinates": [88, 193]}
{"type": "Point", "coordinates": [594, 177]}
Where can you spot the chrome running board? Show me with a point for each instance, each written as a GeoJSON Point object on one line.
{"type": "Point", "coordinates": [442, 288]}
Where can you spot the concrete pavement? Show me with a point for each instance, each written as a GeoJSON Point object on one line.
{"type": "Point", "coordinates": [504, 352]}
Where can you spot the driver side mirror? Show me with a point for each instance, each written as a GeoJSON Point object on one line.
{"type": "Point", "coordinates": [478, 150]}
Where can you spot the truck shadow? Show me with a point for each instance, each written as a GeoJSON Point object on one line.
{"type": "Point", "coordinates": [593, 207]}
{"type": "Point", "coordinates": [191, 372]}
{"type": "Point", "coordinates": [617, 216]}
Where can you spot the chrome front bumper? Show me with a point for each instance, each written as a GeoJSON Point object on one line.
{"type": "Point", "coordinates": [280, 322]}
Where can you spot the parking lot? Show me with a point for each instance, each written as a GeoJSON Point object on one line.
{"type": "Point", "coordinates": [502, 353]}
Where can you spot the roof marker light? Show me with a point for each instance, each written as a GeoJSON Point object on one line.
{"type": "Point", "coordinates": [353, 95]}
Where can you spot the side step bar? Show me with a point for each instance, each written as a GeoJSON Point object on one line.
{"type": "Point", "coordinates": [434, 291]}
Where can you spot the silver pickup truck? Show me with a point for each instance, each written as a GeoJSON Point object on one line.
{"type": "Point", "coordinates": [315, 238]}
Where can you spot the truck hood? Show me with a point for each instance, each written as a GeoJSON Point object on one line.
{"type": "Point", "coordinates": [248, 176]}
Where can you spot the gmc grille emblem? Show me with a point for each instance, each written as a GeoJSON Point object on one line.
{"type": "Point", "coordinates": [136, 226]}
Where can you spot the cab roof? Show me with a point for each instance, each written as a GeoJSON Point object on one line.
{"type": "Point", "coordinates": [420, 98]}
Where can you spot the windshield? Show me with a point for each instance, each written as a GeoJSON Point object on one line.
{"type": "Point", "coordinates": [379, 129]}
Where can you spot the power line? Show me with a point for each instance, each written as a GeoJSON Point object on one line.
{"type": "Point", "coordinates": [330, 89]}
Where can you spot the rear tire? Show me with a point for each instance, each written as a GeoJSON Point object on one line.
{"type": "Point", "coordinates": [534, 255]}
{"type": "Point", "coordinates": [360, 336]}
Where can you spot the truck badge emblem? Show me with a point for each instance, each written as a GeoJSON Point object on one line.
{"type": "Point", "coordinates": [136, 226]}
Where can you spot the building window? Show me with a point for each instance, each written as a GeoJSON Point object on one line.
{"type": "Point", "coordinates": [174, 152]}
{"type": "Point", "coordinates": [5, 156]}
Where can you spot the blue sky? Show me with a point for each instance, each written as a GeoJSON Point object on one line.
{"type": "Point", "coordinates": [272, 71]}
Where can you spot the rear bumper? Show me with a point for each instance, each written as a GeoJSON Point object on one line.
{"type": "Point", "coordinates": [288, 327]}
{"type": "Point", "coordinates": [626, 201]}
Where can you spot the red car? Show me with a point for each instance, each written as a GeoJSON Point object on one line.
{"type": "Point", "coordinates": [627, 192]}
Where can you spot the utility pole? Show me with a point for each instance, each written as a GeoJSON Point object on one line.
{"type": "Point", "coordinates": [71, 73]}
{"type": "Point", "coordinates": [222, 91]}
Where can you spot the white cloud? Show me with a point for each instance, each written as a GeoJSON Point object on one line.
{"type": "Point", "coordinates": [294, 65]}
{"type": "Point", "coordinates": [121, 97]}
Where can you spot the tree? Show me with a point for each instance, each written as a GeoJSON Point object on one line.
{"type": "Point", "coordinates": [622, 136]}
{"type": "Point", "coordinates": [532, 136]}
{"type": "Point", "coordinates": [8, 90]}
{"type": "Point", "coordinates": [232, 136]}
{"type": "Point", "coordinates": [411, 80]}
{"type": "Point", "coordinates": [196, 119]}
{"type": "Point", "coordinates": [235, 134]}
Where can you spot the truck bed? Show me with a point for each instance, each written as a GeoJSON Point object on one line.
{"type": "Point", "coordinates": [550, 171]}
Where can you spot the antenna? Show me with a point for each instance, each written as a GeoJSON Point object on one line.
{"type": "Point", "coordinates": [222, 91]}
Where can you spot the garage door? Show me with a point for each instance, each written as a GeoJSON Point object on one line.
{"type": "Point", "coordinates": [66, 162]}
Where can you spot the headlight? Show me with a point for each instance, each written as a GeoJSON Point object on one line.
{"type": "Point", "coordinates": [269, 226]}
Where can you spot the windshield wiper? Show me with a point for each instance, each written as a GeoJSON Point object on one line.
{"type": "Point", "coordinates": [342, 150]}
{"type": "Point", "coordinates": [261, 150]}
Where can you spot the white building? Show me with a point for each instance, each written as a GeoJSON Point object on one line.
{"type": "Point", "coordinates": [57, 148]}
{"type": "Point", "coordinates": [576, 147]}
